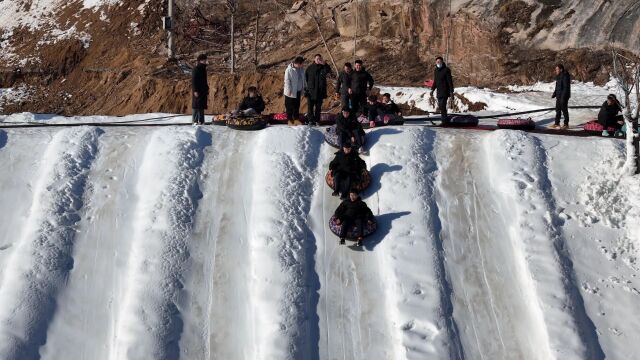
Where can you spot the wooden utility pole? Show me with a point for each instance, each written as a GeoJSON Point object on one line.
{"type": "Point", "coordinates": [233, 7]}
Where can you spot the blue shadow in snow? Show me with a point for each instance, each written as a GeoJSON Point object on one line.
{"type": "Point", "coordinates": [385, 222]}
{"type": "Point", "coordinates": [376, 174]}
{"type": "Point", "coordinates": [3, 138]}
{"type": "Point", "coordinates": [374, 135]}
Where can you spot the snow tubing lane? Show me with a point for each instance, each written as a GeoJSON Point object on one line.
{"type": "Point", "coordinates": [462, 121]}
{"type": "Point", "coordinates": [367, 229]}
{"type": "Point", "coordinates": [517, 124]}
{"type": "Point", "coordinates": [331, 137]}
{"type": "Point", "coordinates": [248, 124]}
{"type": "Point", "coordinates": [363, 184]}
{"type": "Point", "coordinates": [595, 127]}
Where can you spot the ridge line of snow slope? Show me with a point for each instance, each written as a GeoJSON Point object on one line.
{"type": "Point", "coordinates": [281, 250]}
{"type": "Point", "coordinates": [538, 232]}
{"type": "Point", "coordinates": [488, 275]}
{"type": "Point", "coordinates": [353, 307]}
{"type": "Point", "coordinates": [150, 323]}
{"type": "Point", "coordinates": [39, 266]}
{"type": "Point", "coordinates": [417, 287]}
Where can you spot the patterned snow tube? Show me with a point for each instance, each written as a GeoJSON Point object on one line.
{"type": "Point", "coordinates": [328, 119]}
{"type": "Point", "coordinates": [517, 124]}
{"type": "Point", "coordinates": [220, 120]}
{"type": "Point", "coordinates": [381, 120]}
{"type": "Point", "coordinates": [595, 127]}
{"type": "Point", "coordinates": [367, 229]}
{"type": "Point", "coordinates": [462, 121]}
{"type": "Point", "coordinates": [281, 119]}
{"type": "Point", "coordinates": [331, 137]}
{"type": "Point", "coordinates": [247, 123]}
{"type": "Point", "coordinates": [365, 180]}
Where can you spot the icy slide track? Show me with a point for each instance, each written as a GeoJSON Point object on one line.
{"type": "Point", "coordinates": [209, 243]}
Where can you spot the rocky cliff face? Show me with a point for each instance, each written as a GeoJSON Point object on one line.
{"type": "Point", "coordinates": [108, 56]}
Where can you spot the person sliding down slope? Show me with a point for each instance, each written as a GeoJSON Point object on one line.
{"type": "Point", "coordinates": [349, 130]}
{"type": "Point", "coordinates": [346, 169]}
{"type": "Point", "coordinates": [353, 212]}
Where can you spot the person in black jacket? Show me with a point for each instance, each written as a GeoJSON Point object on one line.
{"type": "Point", "coordinates": [389, 106]}
{"type": "Point", "coordinates": [608, 115]}
{"type": "Point", "coordinates": [346, 169]}
{"type": "Point", "coordinates": [349, 130]}
{"type": "Point", "coordinates": [353, 212]}
{"type": "Point", "coordinates": [443, 82]}
{"type": "Point", "coordinates": [316, 87]}
{"type": "Point", "coordinates": [200, 89]}
{"type": "Point", "coordinates": [361, 84]}
{"type": "Point", "coordinates": [252, 104]}
{"type": "Point", "coordinates": [343, 86]}
{"type": "Point", "coordinates": [562, 93]}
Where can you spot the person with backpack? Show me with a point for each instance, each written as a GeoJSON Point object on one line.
{"type": "Point", "coordinates": [316, 88]}
{"type": "Point", "coordinates": [293, 86]}
{"type": "Point", "coordinates": [608, 116]}
{"type": "Point", "coordinates": [346, 169]}
{"type": "Point", "coordinates": [343, 85]}
{"type": "Point", "coordinates": [200, 90]}
{"type": "Point", "coordinates": [443, 83]}
{"type": "Point", "coordinates": [361, 84]}
{"type": "Point", "coordinates": [562, 94]}
{"type": "Point", "coordinates": [353, 212]}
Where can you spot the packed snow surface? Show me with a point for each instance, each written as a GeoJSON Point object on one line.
{"type": "Point", "coordinates": [192, 243]}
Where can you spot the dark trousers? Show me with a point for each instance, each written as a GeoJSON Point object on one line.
{"type": "Point", "coordinates": [292, 106]}
{"type": "Point", "coordinates": [442, 105]}
{"type": "Point", "coordinates": [562, 108]}
{"type": "Point", "coordinates": [345, 100]}
{"type": "Point", "coordinates": [359, 103]}
{"type": "Point", "coordinates": [611, 122]}
{"type": "Point", "coordinates": [347, 223]}
{"type": "Point", "coordinates": [314, 109]}
{"type": "Point", "coordinates": [198, 116]}
{"type": "Point", "coordinates": [345, 137]}
{"type": "Point", "coordinates": [343, 181]}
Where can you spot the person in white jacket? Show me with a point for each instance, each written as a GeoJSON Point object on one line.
{"type": "Point", "coordinates": [293, 86]}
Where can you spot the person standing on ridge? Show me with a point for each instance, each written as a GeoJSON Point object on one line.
{"type": "Point", "coordinates": [200, 90]}
{"type": "Point", "coordinates": [343, 86]}
{"type": "Point", "coordinates": [316, 87]}
{"type": "Point", "coordinates": [361, 84]}
{"type": "Point", "coordinates": [562, 93]}
{"type": "Point", "coordinates": [293, 86]}
{"type": "Point", "coordinates": [443, 82]}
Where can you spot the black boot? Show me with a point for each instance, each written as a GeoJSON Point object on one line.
{"type": "Point", "coordinates": [335, 193]}
{"type": "Point", "coordinates": [341, 241]}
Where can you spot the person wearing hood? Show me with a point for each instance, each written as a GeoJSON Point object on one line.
{"type": "Point", "coordinates": [346, 169]}
{"type": "Point", "coordinates": [316, 87]}
{"type": "Point", "coordinates": [443, 83]}
{"type": "Point", "coordinates": [293, 86]}
{"type": "Point", "coordinates": [562, 94]}
{"type": "Point", "coordinates": [353, 212]}
{"type": "Point", "coordinates": [252, 104]}
{"type": "Point", "coordinates": [361, 84]}
{"type": "Point", "coordinates": [200, 90]}
{"type": "Point", "coordinates": [608, 115]}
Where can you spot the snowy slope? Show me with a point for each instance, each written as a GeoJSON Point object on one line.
{"type": "Point", "coordinates": [176, 242]}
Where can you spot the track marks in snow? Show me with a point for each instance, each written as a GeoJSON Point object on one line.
{"type": "Point", "coordinates": [40, 265]}
{"type": "Point", "coordinates": [150, 323]}
{"type": "Point", "coordinates": [571, 332]}
{"type": "Point", "coordinates": [282, 247]}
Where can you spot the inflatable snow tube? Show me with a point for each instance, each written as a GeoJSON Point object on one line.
{"type": "Point", "coordinates": [247, 123]}
{"type": "Point", "coordinates": [381, 120]}
{"type": "Point", "coordinates": [367, 229]}
{"type": "Point", "coordinates": [462, 121]}
{"type": "Point", "coordinates": [281, 119]}
{"type": "Point", "coordinates": [517, 124]}
{"type": "Point", "coordinates": [595, 127]}
{"type": "Point", "coordinates": [328, 119]}
{"type": "Point", "coordinates": [331, 137]}
{"type": "Point", "coordinates": [220, 120]}
{"type": "Point", "coordinates": [365, 180]}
